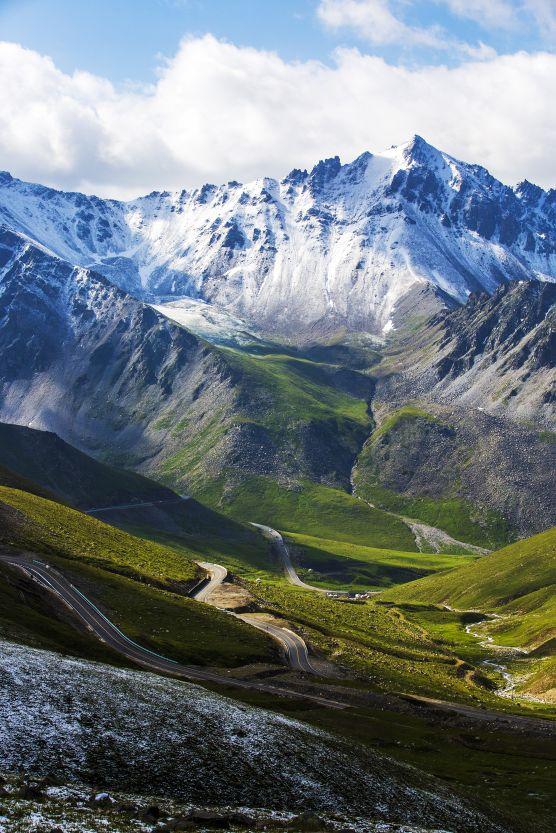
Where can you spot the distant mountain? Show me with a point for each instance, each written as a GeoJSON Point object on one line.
{"type": "Point", "coordinates": [339, 246]}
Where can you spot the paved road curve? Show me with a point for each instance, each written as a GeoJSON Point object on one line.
{"type": "Point", "coordinates": [289, 570]}
{"type": "Point", "coordinates": [217, 574]}
{"type": "Point", "coordinates": [51, 581]}
{"type": "Point", "coordinates": [293, 645]}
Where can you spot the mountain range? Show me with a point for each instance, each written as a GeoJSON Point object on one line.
{"type": "Point", "coordinates": [151, 334]}
{"type": "Point", "coordinates": [341, 246]}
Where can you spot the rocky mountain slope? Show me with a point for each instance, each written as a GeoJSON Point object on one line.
{"type": "Point", "coordinates": [122, 382]}
{"type": "Point", "coordinates": [135, 731]}
{"type": "Point", "coordinates": [341, 245]}
{"type": "Point", "coordinates": [85, 360]}
{"type": "Point", "coordinates": [482, 478]}
{"type": "Point", "coordinates": [464, 406]}
{"type": "Point", "coordinates": [496, 352]}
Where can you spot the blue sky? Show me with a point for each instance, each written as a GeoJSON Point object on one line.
{"type": "Point", "coordinates": [120, 97]}
{"type": "Point", "coordinates": [123, 39]}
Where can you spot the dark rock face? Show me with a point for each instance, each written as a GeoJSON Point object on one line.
{"type": "Point", "coordinates": [498, 325]}
{"type": "Point", "coordinates": [489, 462]}
{"type": "Point", "coordinates": [524, 216]}
{"type": "Point", "coordinates": [323, 172]}
{"type": "Point", "coordinates": [497, 353]}
{"type": "Point", "coordinates": [487, 370]}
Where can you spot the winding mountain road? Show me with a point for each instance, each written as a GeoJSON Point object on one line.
{"type": "Point", "coordinates": [53, 582]}
{"type": "Point", "coordinates": [293, 645]}
{"type": "Point", "coordinates": [289, 570]}
{"type": "Point", "coordinates": [98, 509]}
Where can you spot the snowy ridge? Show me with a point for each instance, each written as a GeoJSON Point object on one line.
{"type": "Point", "coordinates": [337, 246]}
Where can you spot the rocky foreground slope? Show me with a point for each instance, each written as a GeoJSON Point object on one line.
{"type": "Point", "coordinates": [339, 246]}
{"type": "Point", "coordinates": [133, 731]}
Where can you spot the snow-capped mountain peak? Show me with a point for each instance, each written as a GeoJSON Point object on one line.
{"type": "Point", "coordinates": [339, 245]}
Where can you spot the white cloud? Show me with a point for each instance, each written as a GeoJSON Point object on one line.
{"type": "Point", "coordinates": [544, 14]}
{"type": "Point", "coordinates": [381, 21]}
{"type": "Point", "coordinates": [219, 112]}
{"type": "Point", "coordinates": [489, 13]}
{"type": "Point", "coordinates": [508, 14]}
{"type": "Point", "coordinates": [374, 21]}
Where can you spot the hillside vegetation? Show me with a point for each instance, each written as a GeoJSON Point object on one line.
{"type": "Point", "coordinates": [515, 586]}
{"type": "Point", "coordinates": [42, 464]}
{"type": "Point", "coordinates": [281, 415]}
{"type": "Point", "coordinates": [138, 583]}
{"type": "Point", "coordinates": [343, 564]}
{"type": "Point", "coordinates": [517, 577]}
{"type": "Point", "coordinates": [44, 526]}
{"type": "Point", "coordinates": [311, 509]}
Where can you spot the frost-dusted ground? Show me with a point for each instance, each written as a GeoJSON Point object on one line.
{"type": "Point", "coordinates": [115, 729]}
{"type": "Point", "coordinates": [76, 810]}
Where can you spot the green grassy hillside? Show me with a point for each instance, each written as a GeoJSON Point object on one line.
{"type": "Point", "coordinates": [44, 526]}
{"type": "Point", "coordinates": [200, 533]}
{"type": "Point", "coordinates": [345, 565]}
{"type": "Point", "coordinates": [519, 577]}
{"type": "Point", "coordinates": [280, 414]}
{"type": "Point", "coordinates": [516, 587]}
{"type": "Point", "coordinates": [311, 509]}
{"type": "Point", "coordinates": [138, 583]}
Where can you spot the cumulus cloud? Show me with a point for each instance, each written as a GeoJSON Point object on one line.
{"type": "Point", "coordinates": [218, 111]}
